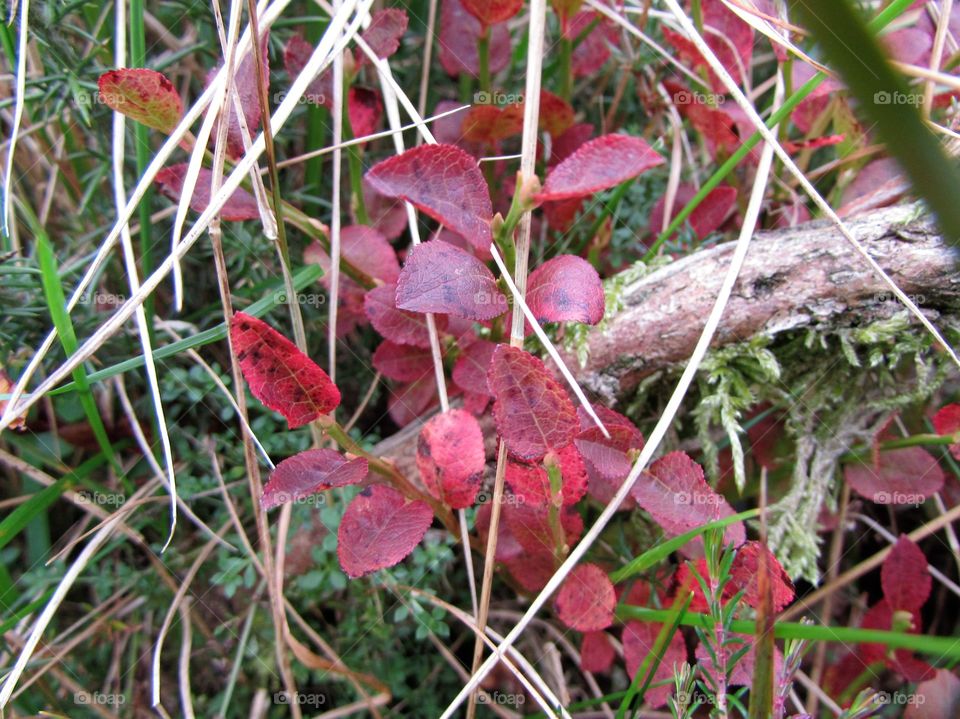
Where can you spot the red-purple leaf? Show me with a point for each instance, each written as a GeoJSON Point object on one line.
{"type": "Point", "coordinates": [639, 639]}
{"type": "Point", "coordinates": [532, 569]}
{"type": "Point", "coordinates": [904, 576]}
{"type": "Point", "coordinates": [279, 374]}
{"type": "Point", "coordinates": [707, 217]}
{"type": "Point", "coordinates": [400, 326]}
{"type": "Point", "coordinates": [675, 494]}
{"type": "Point", "coordinates": [730, 38]}
{"type": "Point", "coordinates": [296, 54]}
{"type": "Point", "coordinates": [490, 12]}
{"type": "Point", "coordinates": [470, 370]}
{"type": "Point", "coordinates": [569, 142]}
{"type": "Point", "coordinates": [530, 524]}
{"type": "Point", "coordinates": [507, 545]}
{"type": "Point", "coordinates": [586, 599]}
{"type": "Point", "coordinates": [388, 215]}
{"type": "Point", "coordinates": [365, 110]}
{"type": "Point", "coordinates": [451, 458]}
{"type": "Point", "coordinates": [245, 80]}
{"type": "Point", "coordinates": [596, 652]}
{"type": "Point", "coordinates": [608, 456]}
{"type": "Point", "coordinates": [881, 616]}
{"type": "Point", "coordinates": [146, 96]}
{"type": "Point", "coordinates": [490, 124]}
{"type": "Point", "coordinates": [444, 182]}
{"type": "Point", "coordinates": [935, 698]}
{"type": "Point", "coordinates": [403, 363]}
{"type": "Point", "coordinates": [947, 421]}
{"type": "Point", "coordinates": [531, 482]}
{"type": "Point", "coordinates": [593, 51]}
{"type": "Point", "coordinates": [379, 529]}
{"type": "Point", "coordinates": [904, 476]}
{"type": "Point", "coordinates": [408, 402]}
{"type": "Point", "coordinates": [744, 574]}
{"type": "Point", "coordinates": [573, 472]}
{"type": "Point", "coordinates": [383, 34]}
{"type": "Point", "coordinates": [566, 288]}
{"type": "Point", "coordinates": [364, 248]}
{"type": "Point", "coordinates": [459, 32]}
{"type": "Point", "coordinates": [309, 472]}
{"type": "Point", "coordinates": [241, 205]}
{"type": "Point", "coordinates": [556, 114]}
{"type": "Point", "coordinates": [439, 277]}
{"type": "Point", "coordinates": [599, 164]}
{"type": "Point", "coordinates": [533, 412]}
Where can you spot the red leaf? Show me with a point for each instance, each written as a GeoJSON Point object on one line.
{"type": "Point", "coordinates": [743, 668]}
{"type": "Point", "coordinates": [444, 182]}
{"type": "Point", "coordinates": [408, 402]}
{"type": "Point", "coordinates": [608, 456]}
{"type": "Point", "coordinates": [459, 32]}
{"type": "Point", "coordinates": [596, 652]}
{"type": "Point", "coordinates": [904, 576]}
{"type": "Point", "coordinates": [805, 115]}
{"type": "Point", "coordinates": [146, 96]}
{"type": "Point", "coordinates": [744, 574]}
{"type": "Point", "coordinates": [686, 581]}
{"type": "Point", "coordinates": [245, 80]}
{"type": "Point", "coordinates": [379, 529]}
{"type": "Point", "coordinates": [365, 110]}
{"type": "Point", "coordinates": [241, 205]}
{"type": "Point", "coordinates": [296, 54]}
{"type": "Point", "coordinates": [573, 472]}
{"type": "Point", "coordinates": [386, 214]}
{"type": "Point", "coordinates": [638, 641]}
{"type": "Point", "coordinates": [675, 494]}
{"type": "Point", "coordinates": [936, 698]}
{"type": "Point", "coordinates": [531, 482]}
{"type": "Point", "coordinates": [475, 404]}
{"type": "Point", "coordinates": [881, 616]}
{"type": "Point", "coordinates": [451, 458]}
{"type": "Point", "coordinates": [470, 370]}
{"type": "Point", "coordinates": [556, 114]}
{"type": "Point", "coordinates": [490, 12]}
{"type": "Point", "coordinates": [309, 472]}
{"type": "Point", "coordinates": [439, 277]}
{"type": "Point", "coordinates": [403, 363]}
{"type": "Point", "coordinates": [400, 326]}
{"type": "Point", "coordinates": [599, 164]}
{"type": "Point", "coordinates": [490, 124]}
{"type": "Point", "coordinates": [530, 524]}
{"type": "Point", "coordinates": [707, 217]}
{"type": "Point", "coordinates": [533, 412]}
{"type": "Point", "coordinates": [947, 421]}
{"type": "Point", "coordinates": [279, 374]}
{"type": "Point", "coordinates": [568, 143]}
{"type": "Point", "coordinates": [532, 569]}
{"type": "Point", "coordinates": [904, 476]}
{"type": "Point", "coordinates": [561, 213]}
{"type": "Point", "coordinates": [566, 288]}
{"type": "Point", "coordinates": [364, 248]}
{"type": "Point", "coordinates": [813, 143]}
{"type": "Point", "coordinates": [507, 545]}
{"type": "Point", "coordinates": [593, 52]}
{"type": "Point", "coordinates": [383, 34]}
{"type": "Point", "coordinates": [586, 599]}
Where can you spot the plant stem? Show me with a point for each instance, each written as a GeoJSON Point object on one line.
{"type": "Point", "coordinates": [917, 440]}
{"type": "Point", "coordinates": [483, 58]}
{"type": "Point", "coordinates": [566, 68]}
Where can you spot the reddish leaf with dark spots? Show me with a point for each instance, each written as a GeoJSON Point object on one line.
{"type": "Point", "coordinates": [532, 411]}
{"type": "Point", "coordinates": [638, 641]}
{"type": "Point", "coordinates": [902, 476]}
{"type": "Point", "coordinates": [593, 51]}
{"type": "Point", "coordinates": [383, 34]}
{"type": "Point", "coordinates": [530, 524]}
{"type": "Point", "coordinates": [364, 248]}
{"type": "Point", "coordinates": [296, 54]}
{"type": "Point", "coordinates": [904, 576]}
{"type": "Point", "coordinates": [586, 599]}
{"type": "Point", "coordinates": [146, 96]}
{"type": "Point", "coordinates": [678, 498]}
{"type": "Point", "coordinates": [444, 182]}
{"type": "Point", "coordinates": [403, 363]}
{"type": "Point", "coordinates": [379, 529]}
{"type": "Point", "coordinates": [457, 47]}
{"type": "Point", "coordinates": [745, 570]}
{"type": "Point", "coordinates": [279, 374]}
{"type": "Point", "coordinates": [490, 12]}
{"type": "Point", "coordinates": [412, 400]}
{"type": "Point", "coordinates": [596, 652]}
{"type": "Point", "coordinates": [598, 165]}
{"type": "Point", "coordinates": [947, 421]}
{"type": "Point", "coordinates": [491, 124]}
{"type": "Point", "coordinates": [365, 110]}
{"type": "Point", "coordinates": [707, 217]}
{"type": "Point", "coordinates": [451, 458]}
{"type": "Point", "coordinates": [608, 456]}
{"type": "Point", "coordinates": [245, 79]}
{"type": "Point", "coordinates": [470, 370]}
{"type": "Point", "coordinates": [439, 277]}
{"type": "Point", "coordinates": [566, 288]}
{"type": "Point", "coordinates": [531, 482]}
{"type": "Point", "coordinates": [309, 472]}
{"type": "Point", "coordinates": [400, 326]}
{"type": "Point", "coordinates": [241, 205]}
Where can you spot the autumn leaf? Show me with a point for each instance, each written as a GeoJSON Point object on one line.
{"type": "Point", "coordinates": [586, 599]}
{"type": "Point", "coordinates": [450, 457]}
{"type": "Point", "coordinates": [309, 472]}
{"type": "Point", "coordinates": [146, 96]}
{"type": "Point", "coordinates": [241, 205]}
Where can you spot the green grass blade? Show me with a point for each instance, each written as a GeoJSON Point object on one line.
{"type": "Point", "coordinates": [885, 99]}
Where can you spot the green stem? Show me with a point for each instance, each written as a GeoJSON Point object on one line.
{"type": "Point", "coordinates": [556, 500]}
{"type": "Point", "coordinates": [917, 440]}
{"type": "Point", "coordinates": [566, 68]}
{"type": "Point", "coordinates": [483, 57]}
